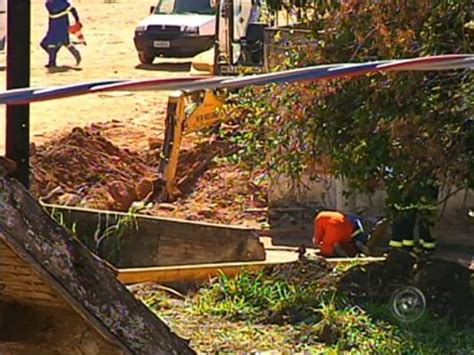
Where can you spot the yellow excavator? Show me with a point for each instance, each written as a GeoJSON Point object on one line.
{"type": "Point", "coordinates": [178, 123]}
{"type": "Point", "coordinates": [193, 111]}
{"type": "Point", "coordinates": [239, 44]}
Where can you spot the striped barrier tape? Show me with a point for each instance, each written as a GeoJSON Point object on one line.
{"type": "Point", "coordinates": [319, 72]}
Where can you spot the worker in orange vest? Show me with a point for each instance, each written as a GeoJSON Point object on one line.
{"type": "Point", "coordinates": [339, 234]}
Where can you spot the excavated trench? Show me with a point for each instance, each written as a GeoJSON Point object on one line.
{"type": "Point", "coordinates": [85, 169]}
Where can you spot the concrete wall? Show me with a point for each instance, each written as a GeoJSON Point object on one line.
{"type": "Point", "coordinates": [159, 241]}
{"type": "Point", "coordinates": [454, 226]}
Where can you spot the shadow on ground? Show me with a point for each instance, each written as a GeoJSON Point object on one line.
{"type": "Point", "coordinates": [63, 69]}
{"type": "Point", "coordinates": [166, 66]}
{"type": "Point", "coordinates": [291, 226]}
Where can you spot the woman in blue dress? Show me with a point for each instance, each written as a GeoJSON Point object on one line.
{"type": "Point", "coordinates": [58, 30]}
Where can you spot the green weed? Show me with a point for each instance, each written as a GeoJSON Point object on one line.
{"type": "Point", "coordinates": [276, 311]}
{"type": "Point", "coordinates": [259, 298]}
{"type": "Point", "coordinates": [108, 237]}
{"type": "Point", "coordinates": [59, 218]}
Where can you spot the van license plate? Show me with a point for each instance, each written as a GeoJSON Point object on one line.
{"type": "Point", "coordinates": [161, 44]}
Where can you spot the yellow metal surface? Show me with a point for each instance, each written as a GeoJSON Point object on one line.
{"type": "Point", "coordinates": [200, 272]}
{"type": "Point", "coordinates": [176, 102]}
{"type": "Point", "coordinates": [205, 115]}
{"type": "Point", "coordinates": [203, 272]}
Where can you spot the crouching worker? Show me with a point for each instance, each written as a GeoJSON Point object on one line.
{"type": "Point", "coordinates": [339, 234]}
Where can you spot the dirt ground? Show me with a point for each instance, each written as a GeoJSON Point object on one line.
{"type": "Point", "coordinates": [84, 168]}
{"type": "Point", "coordinates": [110, 53]}
{"type": "Point", "coordinates": [128, 120]}
{"type": "Point", "coordinates": [106, 172]}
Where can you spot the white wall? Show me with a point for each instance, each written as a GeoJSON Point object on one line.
{"type": "Point", "coordinates": [454, 226]}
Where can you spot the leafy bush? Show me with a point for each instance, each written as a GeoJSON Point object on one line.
{"type": "Point", "coordinates": [393, 131]}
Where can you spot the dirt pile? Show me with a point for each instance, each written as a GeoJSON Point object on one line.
{"type": "Point", "coordinates": [85, 169]}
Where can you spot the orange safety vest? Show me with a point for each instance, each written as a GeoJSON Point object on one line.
{"type": "Point", "coordinates": [331, 227]}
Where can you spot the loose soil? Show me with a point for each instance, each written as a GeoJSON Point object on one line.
{"type": "Point", "coordinates": [84, 168]}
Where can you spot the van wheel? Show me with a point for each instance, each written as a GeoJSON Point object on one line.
{"type": "Point", "coordinates": [145, 57]}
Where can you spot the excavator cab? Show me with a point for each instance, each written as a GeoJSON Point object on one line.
{"type": "Point", "coordinates": [240, 37]}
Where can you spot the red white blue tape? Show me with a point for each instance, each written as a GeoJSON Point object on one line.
{"type": "Point", "coordinates": [319, 72]}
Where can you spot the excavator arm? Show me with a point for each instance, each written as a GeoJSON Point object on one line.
{"type": "Point", "coordinates": [236, 31]}
{"type": "Point", "coordinates": [178, 123]}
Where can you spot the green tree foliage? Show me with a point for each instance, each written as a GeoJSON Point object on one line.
{"type": "Point", "coordinates": [395, 131]}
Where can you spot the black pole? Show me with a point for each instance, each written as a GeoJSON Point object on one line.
{"type": "Point", "coordinates": [18, 76]}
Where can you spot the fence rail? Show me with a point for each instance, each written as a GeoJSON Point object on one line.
{"type": "Point", "coordinates": [319, 72]}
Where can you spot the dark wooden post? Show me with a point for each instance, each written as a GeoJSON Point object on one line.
{"type": "Point", "coordinates": [18, 76]}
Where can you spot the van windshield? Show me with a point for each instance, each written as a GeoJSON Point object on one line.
{"type": "Point", "coordinates": [183, 7]}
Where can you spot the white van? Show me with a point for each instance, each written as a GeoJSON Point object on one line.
{"type": "Point", "coordinates": [3, 23]}
{"type": "Point", "coordinates": [176, 28]}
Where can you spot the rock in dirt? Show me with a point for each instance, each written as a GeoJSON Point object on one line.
{"type": "Point", "coordinates": [144, 188]}
{"type": "Point", "coordinates": [123, 194]}
{"type": "Point", "coordinates": [69, 199]}
{"type": "Point", "coordinates": [206, 212]}
{"type": "Point", "coordinates": [99, 198]}
{"type": "Point", "coordinates": [166, 207]}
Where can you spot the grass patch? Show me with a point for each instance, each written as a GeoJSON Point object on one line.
{"type": "Point", "coordinates": [295, 308]}
{"type": "Point", "coordinates": [262, 298]}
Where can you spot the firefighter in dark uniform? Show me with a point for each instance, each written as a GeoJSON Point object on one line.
{"type": "Point", "coordinates": [58, 30]}
{"type": "Point", "coordinates": [416, 206]}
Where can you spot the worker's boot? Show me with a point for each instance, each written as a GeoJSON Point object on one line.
{"type": "Point", "coordinates": [427, 243]}
{"type": "Point", "coordinates": [52, 54]}
{"type": "Point", "coordinates": [425, 254]}
{"type": "Point", "coordinates": [362, 248]}
{"type": "Point", "coordinates": [75, 53]}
